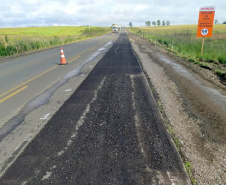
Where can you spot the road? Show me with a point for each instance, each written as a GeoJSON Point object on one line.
{"type": "Point", "coordinates": [23, 78]}
{"type": "Point", "coordinates": [108, 132]}
{"type": "Point", "coordinates": [33, 87]}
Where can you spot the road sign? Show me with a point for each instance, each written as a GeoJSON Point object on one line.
{"type": "Point", "coordinates": [206, 18]}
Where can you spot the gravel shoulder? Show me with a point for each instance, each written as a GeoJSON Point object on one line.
{"type": "Point", "coordinates": [193, 105]}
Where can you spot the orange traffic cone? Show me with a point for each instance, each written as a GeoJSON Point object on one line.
{"type": "Point", "coordinates": [62, 57]}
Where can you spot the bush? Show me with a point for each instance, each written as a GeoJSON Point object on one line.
{"type": "Point", "coordinates": [6, 39]}
{"type": "Point", "coordinates": [68, 39]}
{"type": "Point", "coordinates": [10, 50]}
{"type": "Point", "coordinates": [191, 60]}
{"type": "Point", "coordinates": [166, 43]}
{"type": "Point", "coordinates": [2, 51]}
{"type": "Point", "coordinates": [55, 41]}
{"type": "Point", "coordinates": [222, 60]}
{"type": "Point", "coordinates": [159, 41]}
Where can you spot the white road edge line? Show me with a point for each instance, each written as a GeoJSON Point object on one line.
{"type": "Point", "coordinates": [45, 117]}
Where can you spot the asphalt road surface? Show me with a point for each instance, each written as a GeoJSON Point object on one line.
{"type": "Point", "coordinates": [25, 77]}
{"type": "Point", "coordinates": [108, 132]}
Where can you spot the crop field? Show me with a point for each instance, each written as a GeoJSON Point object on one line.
{"type": "Point", "coordinates": [44, 31]}
{"type": "Point", "coordinates": [19, 40]}
{"type": "Point", "coordinates": [182, 40]}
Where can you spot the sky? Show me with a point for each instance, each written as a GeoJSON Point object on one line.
{"type": "Point", "coordinates": [26, 13]}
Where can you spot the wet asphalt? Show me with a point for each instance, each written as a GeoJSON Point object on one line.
{"type": "Point", "coordinates": [108, 132]}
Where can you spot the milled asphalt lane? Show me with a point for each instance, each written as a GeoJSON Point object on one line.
{"type": "Point", "coordinates": [108, 132]}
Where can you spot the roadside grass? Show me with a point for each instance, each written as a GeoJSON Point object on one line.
{"type": "Point", "coordinates": [182, 40]}
{"type": "Point", "coordinates": [19, 40]}
{"type": "Point", "coordinates": [189, 169]}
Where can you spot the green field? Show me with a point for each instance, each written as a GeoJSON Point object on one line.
{"type": "Point", "coordinates": [44, 31]}
{"type": "Point", "coordinates": [182, 40]}
{"type": "Point", "coordinates": [19, 40]}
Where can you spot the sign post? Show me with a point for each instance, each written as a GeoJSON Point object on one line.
{"type": "Point", "coordinates": [203, 39]}
{"type": "Point", "coordinates": [205, 24]}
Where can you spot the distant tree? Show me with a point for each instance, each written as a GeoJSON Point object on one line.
{"type": "Point", "coordinates": [147, 23]}
{"type": "Point", "coordinates": [130, 24]}
{"type": "Point", "coordinates": [163, 23]}
{"type": "Point", "coordinates": [216, 21]}
{"type": "Point", "coordinates": [224, 22]}
{"type": "Point", "coordinates": [158, 23]}
{"type": "Point", "coordinates": [153, 23]}
{"type": "Point", "coordinates": [167, 23]}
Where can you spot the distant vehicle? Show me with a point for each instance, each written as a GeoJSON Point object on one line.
{"type": "Point", "coordinates": [115, 29]}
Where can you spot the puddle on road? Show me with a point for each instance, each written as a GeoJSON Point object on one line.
{"type": "Point", "coordinates": [215, 95]}
{"type": "Point", "coordinates": [45, 96]}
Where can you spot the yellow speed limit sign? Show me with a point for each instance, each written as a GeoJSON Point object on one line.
{"type": "Point", "coordinates": [206, 18]}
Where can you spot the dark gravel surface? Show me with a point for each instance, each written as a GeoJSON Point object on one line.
{"type": "Point", "coordinates": [108, 132]}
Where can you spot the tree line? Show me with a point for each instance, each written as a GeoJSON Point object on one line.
{"type": "Point", "coordinates": [217, 22]}
{"type": "Point", "coordinates": [165, 23]}
{"type": "Point", "coordinates": [158, 23]}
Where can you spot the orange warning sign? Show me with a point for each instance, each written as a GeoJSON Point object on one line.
{"type": "Point", "coordinates": [206, 18]}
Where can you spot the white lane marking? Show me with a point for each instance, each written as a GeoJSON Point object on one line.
{"type": "Point", "coordinates": [68, 90]}
{"type": "Point", "coordinates": [45, 117]}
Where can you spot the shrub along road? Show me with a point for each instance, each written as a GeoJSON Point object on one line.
{"type": "Point", "coordinates": [108, 132]}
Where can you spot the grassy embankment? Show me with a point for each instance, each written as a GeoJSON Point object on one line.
{"type": "Point", "coordinates": [187, 45]}
{"type": "Point", "coordinates": [19, 40]}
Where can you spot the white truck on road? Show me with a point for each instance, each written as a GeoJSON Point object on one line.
{"type": "Point", "coordinates": [115, 28]}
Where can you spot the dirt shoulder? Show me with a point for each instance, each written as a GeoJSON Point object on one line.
{"type": "Point", "coordinates": [193, 105]}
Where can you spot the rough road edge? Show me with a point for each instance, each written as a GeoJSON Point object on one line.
{"type": "Point", "coordinates": [153, 93]}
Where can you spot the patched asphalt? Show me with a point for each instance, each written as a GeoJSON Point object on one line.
{"type": "Point", "coordinates": [108, 132]}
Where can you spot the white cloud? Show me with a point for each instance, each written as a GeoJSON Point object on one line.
{"type": "Point", "coordinates": [103, 13]}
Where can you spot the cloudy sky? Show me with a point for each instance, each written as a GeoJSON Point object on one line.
{"type": "Point", "coordinates": [22, 13]}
